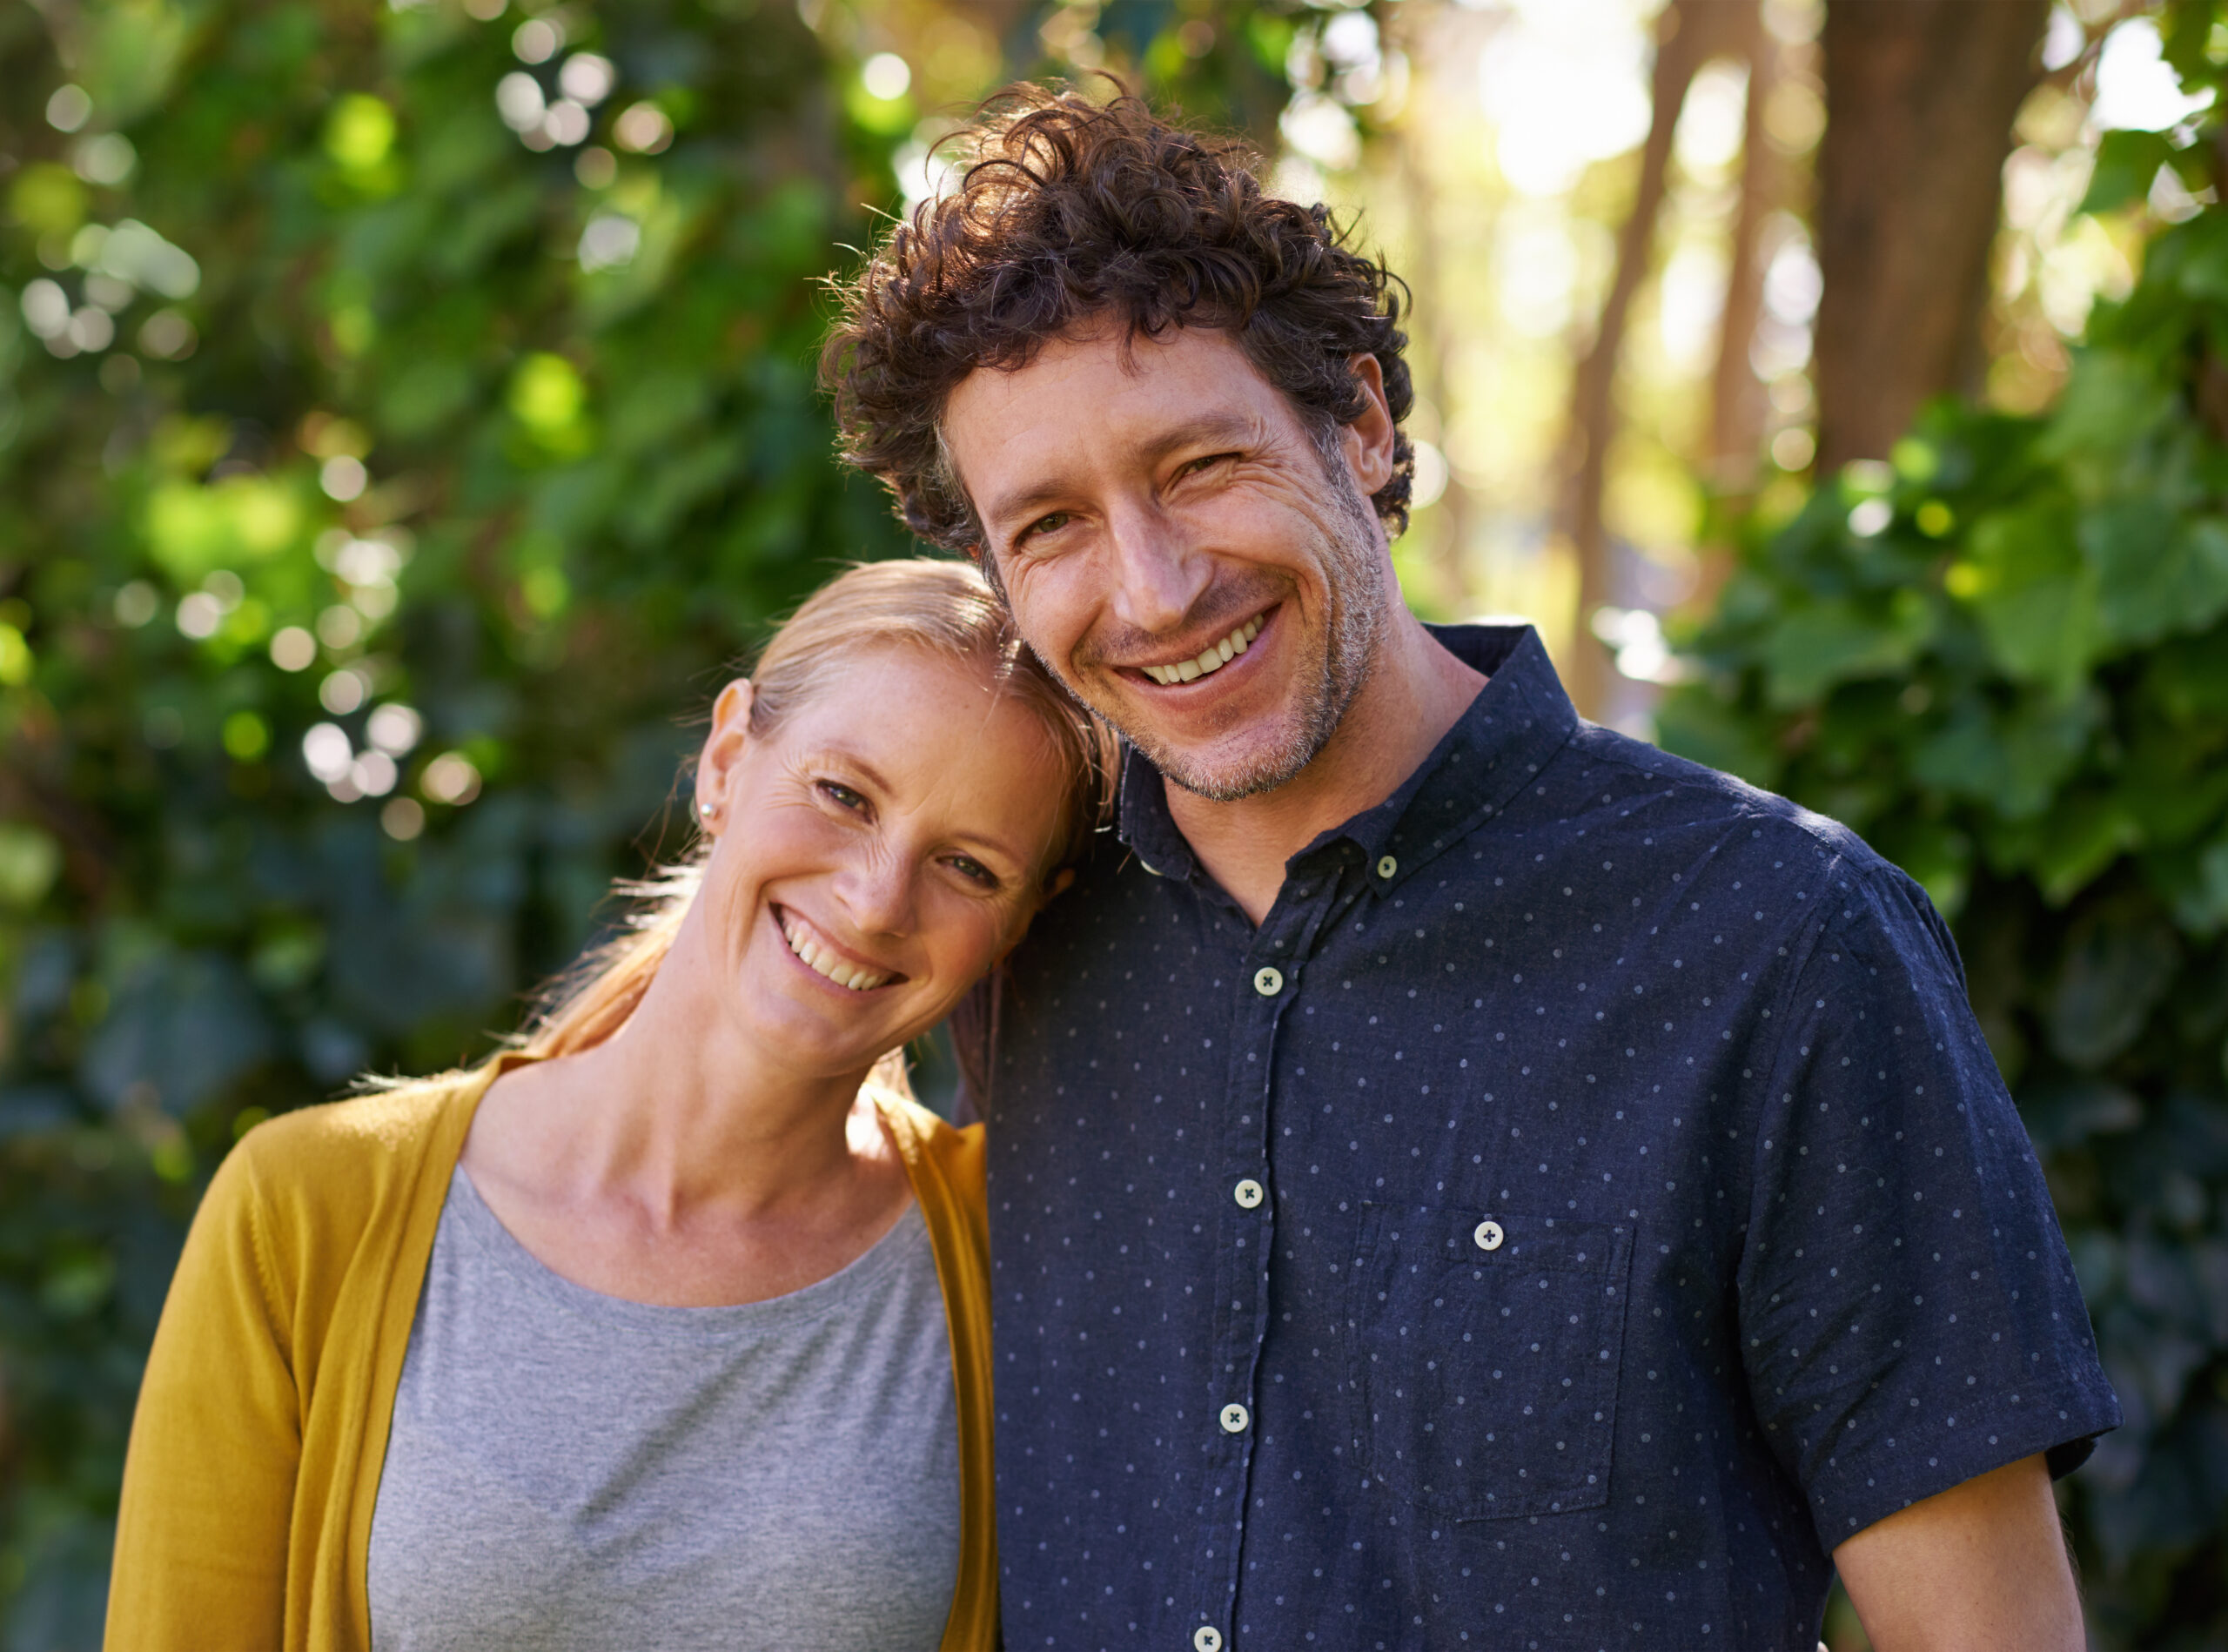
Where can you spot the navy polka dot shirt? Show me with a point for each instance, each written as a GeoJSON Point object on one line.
{"type": "Point", "coordinates": [1583, 1201]}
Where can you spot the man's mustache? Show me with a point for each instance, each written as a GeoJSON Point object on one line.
{"type": "Point", "coordinates": [1219, 611]}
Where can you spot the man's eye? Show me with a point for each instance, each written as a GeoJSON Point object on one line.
{"type": "Point", "coordinates": [1207, 463]}
{"type": "Point", "coordinates": [1043, 525]}
{"type": "Point", "coordinates": [841, 795]}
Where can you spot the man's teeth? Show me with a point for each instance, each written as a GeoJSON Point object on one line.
{"type": "Point", "coordinates": [840, 970]}
{"type": "Point", "coordinates": [1209, 662]}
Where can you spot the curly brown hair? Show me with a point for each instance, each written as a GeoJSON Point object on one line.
{"type": "Point", "coordinates": [1069, 210]}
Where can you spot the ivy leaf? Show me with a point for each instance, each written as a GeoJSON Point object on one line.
{"type": "Point", "coordinates": [2154, 573]}
{"type": "Point", "coordinates": [2118, 963]}
{"type": "Point", "coordinates": [2109, 399]}
{"type": "Point", "coordinates": [2126, 162]}
{"type": "Point", "coordinates": [1697, 726]}
{"type": "Point", "coordinates": [1812, 648]}
{"type": "Point", "coordinates": [2083, 835]}
{"type": "Point", "coordinates": [2069, 1109]}
{"type": "Point", "coordinates": [2035, 597]}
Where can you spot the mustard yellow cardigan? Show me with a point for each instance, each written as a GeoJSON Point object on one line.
{"type": "Point", "coordinates": [262, 1425]}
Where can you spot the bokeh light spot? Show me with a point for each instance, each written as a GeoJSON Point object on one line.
{"type": "Point", "coordinates": [886, 75]}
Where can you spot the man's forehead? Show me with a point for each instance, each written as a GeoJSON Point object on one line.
{"type": "Point", "coordinates": [1106, 384]}
{"type": "Point", "coordinates": [1115, 360]}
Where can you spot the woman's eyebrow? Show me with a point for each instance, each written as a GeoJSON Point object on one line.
{"type": "Point", "coordinates": [866, 771]}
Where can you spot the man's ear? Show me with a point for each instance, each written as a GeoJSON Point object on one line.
{"type": "Point", "coordinates": [1369, 439]}
{"type": "Point", "coordinates": [724, 748]}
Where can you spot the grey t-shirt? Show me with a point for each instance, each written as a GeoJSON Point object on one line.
{"type": "Point", "coordinates": [569, 1472]}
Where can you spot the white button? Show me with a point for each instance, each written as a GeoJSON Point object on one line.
{"type": "Point", "coordinates": [1386, 867]}
{"type": "Point", "coordinates": [1488, 1236]}
{"type": "Point", "coordinates": [1268, 981]}
{"type": "Point", "coordinates": [1234, 1418]}
{"type": "Point", "coordinates": [1207, 1638]}
{"type": "Point", "coordinates": [1248, 1193]}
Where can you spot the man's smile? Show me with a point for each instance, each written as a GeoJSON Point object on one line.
{"type": "Point", "coordinates": [1209, 660]}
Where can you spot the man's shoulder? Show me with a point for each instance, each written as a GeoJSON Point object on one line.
{"type": "Point", "coordinates": [1837, 883]}
{"type": "Point", "coordinates": [1692, 799]}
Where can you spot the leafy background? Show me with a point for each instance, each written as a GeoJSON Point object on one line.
{"type": "Point", "coordinates": [2002, 656]}
{"type": "Point", "coordinates": [405, 414]}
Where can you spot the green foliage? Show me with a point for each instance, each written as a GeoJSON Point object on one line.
{"type": "Point", "coordinates": [359, 415]}
{"type": "Point", "coordinates": [2004, 658]}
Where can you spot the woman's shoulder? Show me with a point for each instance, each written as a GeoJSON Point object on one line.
{"type": "Point", "coordinates": [940, 1155]}
{"type": "Point", "coordinates": [339, 1156]}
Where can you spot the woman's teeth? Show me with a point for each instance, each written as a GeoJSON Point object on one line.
{"type": "Point", "coordinates": [841, 971]}
{"type": "Point", "coordinates": [1209, 662]}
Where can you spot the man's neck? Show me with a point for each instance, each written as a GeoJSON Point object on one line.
{"type": "Point", "coordinates": [1416, 691]}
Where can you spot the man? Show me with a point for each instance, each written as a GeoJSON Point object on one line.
{"type": "Point", "coordinates": [1459, 1176]}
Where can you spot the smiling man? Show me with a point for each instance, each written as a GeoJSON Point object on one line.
{"type": "Point", "coordinates": [1459, 1178]}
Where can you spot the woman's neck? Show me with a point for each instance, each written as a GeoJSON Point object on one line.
{"type": "Point", "coordinates": [674, 1163]}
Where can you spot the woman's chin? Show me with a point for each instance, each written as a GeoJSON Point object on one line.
{"type": "Point", "coordinates": [805, 1028]}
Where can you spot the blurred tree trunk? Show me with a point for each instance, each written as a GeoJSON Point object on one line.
{"type": "Point", "coordinates": [1737, 401]}
{"type": "Point", "coordinates": [1736, 398]}
{"type": "Point", "coordinates": [1689, 33]}
{"type": "Point", "coordinates": [1919, 96]}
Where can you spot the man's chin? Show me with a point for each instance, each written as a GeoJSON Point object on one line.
{"type": "Point", "coordinates": [1226, 775]}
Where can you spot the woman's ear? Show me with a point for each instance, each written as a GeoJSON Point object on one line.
{"type": "Point", "coordinates": [723, 748]}
{"type": "Point", "coordinates": [1059, 884]}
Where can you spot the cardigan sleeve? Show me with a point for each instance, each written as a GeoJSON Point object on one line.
{"type": "Point", "coordinates": [201, 1545]}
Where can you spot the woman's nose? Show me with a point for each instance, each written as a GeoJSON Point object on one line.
{"type": "Point", "coordinates": [877, 893]}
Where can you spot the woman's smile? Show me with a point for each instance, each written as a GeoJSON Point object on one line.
{"type": "Point", "coordinates": [811, 946]}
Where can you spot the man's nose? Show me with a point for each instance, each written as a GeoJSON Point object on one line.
{"type": "Point", "coordinates": [1158, 573]}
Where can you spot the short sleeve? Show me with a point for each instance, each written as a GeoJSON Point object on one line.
{"type": "Point", "coordinates": [1909, 1315]}
{"type": "Point", "coordinates": [201, 1548]}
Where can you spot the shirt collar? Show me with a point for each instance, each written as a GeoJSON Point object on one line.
{"type": "Point", "coordinates": [1519, 720]}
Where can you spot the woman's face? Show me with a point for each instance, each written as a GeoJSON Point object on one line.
{"type": "Point", "coordinates": [874, 855]}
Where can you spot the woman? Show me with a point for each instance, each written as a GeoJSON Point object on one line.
{"type": "Point", "coordinates": [669, 1327]}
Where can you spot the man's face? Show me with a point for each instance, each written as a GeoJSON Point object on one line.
{"type": "Point", "coordinates": [1178, 549]}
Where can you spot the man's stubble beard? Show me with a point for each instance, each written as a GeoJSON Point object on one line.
{"type": "Point", "coordinates": [1353, 576]}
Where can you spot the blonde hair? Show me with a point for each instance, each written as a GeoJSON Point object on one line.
{"type": "Point", "coordinates": [941, 606]}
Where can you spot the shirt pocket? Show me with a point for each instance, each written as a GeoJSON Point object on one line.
{"type": "Point", "coordinates": [1486, 1346]}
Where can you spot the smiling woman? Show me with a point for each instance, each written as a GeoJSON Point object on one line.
{"type": "Point", "coordinates": [670, 1325]}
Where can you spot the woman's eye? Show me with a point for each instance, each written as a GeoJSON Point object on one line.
{"type": "Point", "coordinates": [841, 795]}
{"type": "Point", "coordinates": [974, 870]}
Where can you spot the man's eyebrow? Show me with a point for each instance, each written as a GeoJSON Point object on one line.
{"type": "Point", "coordinates": [1208, 429]}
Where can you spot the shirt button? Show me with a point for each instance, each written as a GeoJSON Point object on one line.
{"type": "Point", "coordinates": [1234, 1418]}
{"type": "Point", "coordinates": [1386, 867]}
{"type": "Point", "coordinates": [1268, 981]}
{"type": "Point", "coordinates": [1248, 1193]}
{"type": "Point", "coordinates": [1488, 1236]}
{"type": "Point", "coordinates": [1207, 1638]}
